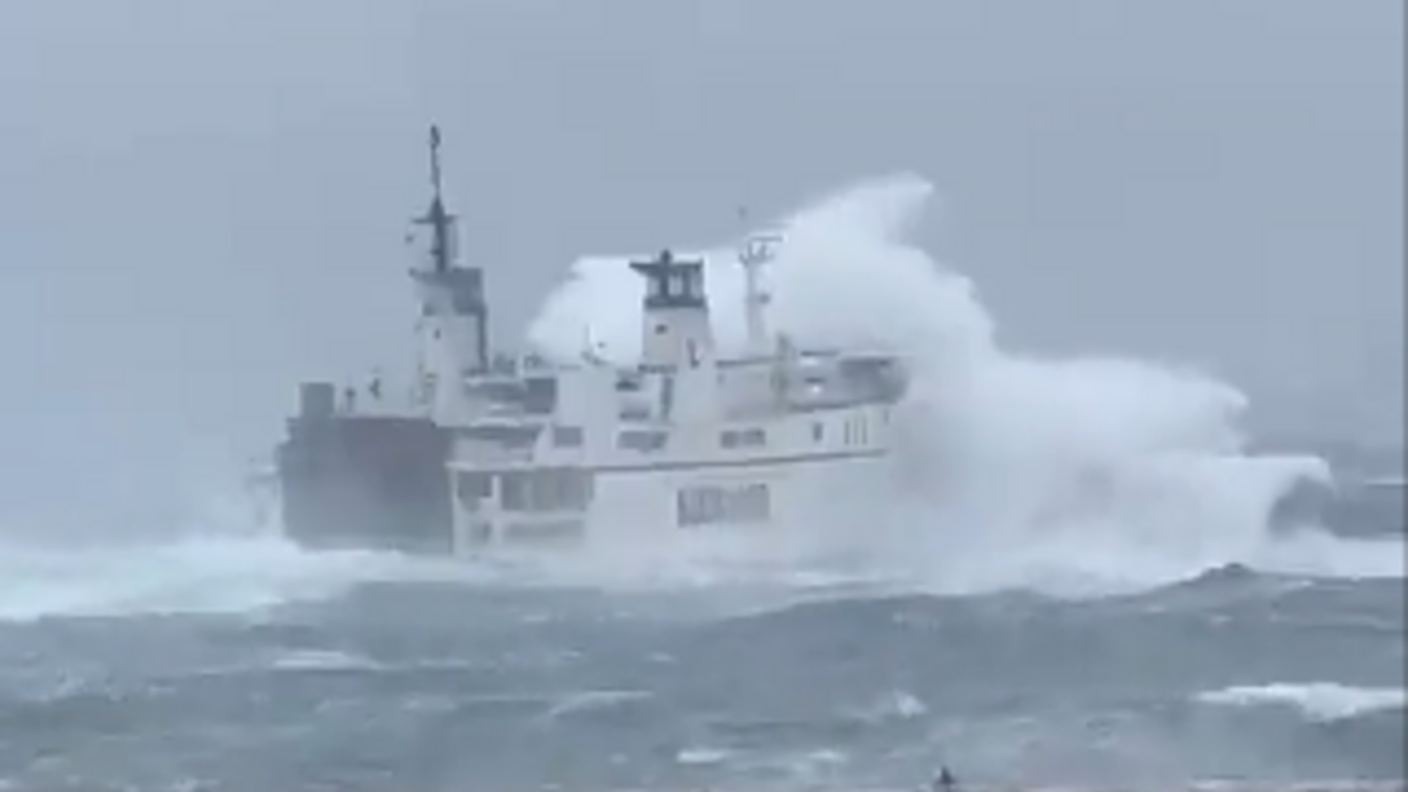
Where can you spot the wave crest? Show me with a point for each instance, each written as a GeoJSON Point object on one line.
{"type": "Point", "coordinates": [1018, 470]}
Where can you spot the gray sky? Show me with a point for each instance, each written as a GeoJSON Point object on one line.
{"type": "Point", "coordinates": [201, 203]}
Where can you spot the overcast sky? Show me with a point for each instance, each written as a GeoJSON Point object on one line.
{"type": "Point", "coordinates": [203, 202]}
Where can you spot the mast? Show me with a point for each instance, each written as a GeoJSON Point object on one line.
{"type": "Point", "coordinates": [436, 217]}
{"type": "Point", "coordinates": [756, 250]}
{"type": "Point", "coordinates": [453, 328]}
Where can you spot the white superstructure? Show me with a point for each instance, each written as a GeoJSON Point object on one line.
{"type": "Point", "coordinates": [686, 439]}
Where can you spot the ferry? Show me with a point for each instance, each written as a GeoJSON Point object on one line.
{"type": "Point", "coordinates": [486, 450]}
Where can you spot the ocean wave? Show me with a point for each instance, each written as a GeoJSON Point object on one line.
{"type": "Point", "coordinates": [1320, 701]}
{"type": "Point", "coordinates": [205, 574]}
{"type": "Point", "coordinates": [1080, 476]}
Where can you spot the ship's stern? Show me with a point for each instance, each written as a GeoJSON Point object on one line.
{"type": "Point", "coordinates": [353, 481]}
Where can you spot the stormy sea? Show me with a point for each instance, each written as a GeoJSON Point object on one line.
{"type": "Point", "coordinates": [1089, 573]}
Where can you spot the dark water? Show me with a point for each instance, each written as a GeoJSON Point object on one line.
{"type": "Point", "coordinates": [427, 686]}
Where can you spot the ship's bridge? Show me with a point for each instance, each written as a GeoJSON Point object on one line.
{"type": "Point", "coordinates": [672, 283]}
{"type": "Point", "coordinates": [675, 332]}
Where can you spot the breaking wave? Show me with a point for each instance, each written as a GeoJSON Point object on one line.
{"type": "Point", "coordinates": [227, 564]}
{"type": "Point", "coordinates": [1062, 474]}
{"type": "Point", "coordinates": [197, 575]}
{"type": "Point", "coordinates": [1320, 701]}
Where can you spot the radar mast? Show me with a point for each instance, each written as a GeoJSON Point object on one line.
{"type": "Point", "coordinates": [756, 250]}
{"type": "Point", "coordinates": [454, 312]}
{"type": "Point", "coordinates": [439, 220]}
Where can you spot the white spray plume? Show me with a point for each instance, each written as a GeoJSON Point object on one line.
{"type": "Point", "coordinates": [1022, 471]}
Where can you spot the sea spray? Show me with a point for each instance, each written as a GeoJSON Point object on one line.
{"type": "Point", "coordinates": [1016, 470]}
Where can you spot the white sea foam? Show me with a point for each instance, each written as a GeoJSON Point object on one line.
{"type": "Point", "coordinates": [196, 575]}
{"type": "Point", "coordinates": [1323, 701]}
{"type": "Point", "coordinates": [1057, 473]}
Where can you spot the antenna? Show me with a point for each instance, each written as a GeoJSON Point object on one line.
{"type": "Point", "coordinates": [758, 247]}
{"type": "Point", "coordinates": [435, 159]}
{"type": "Point", "coordinates": [437, 218]}
{"type": "Point", "coordinates": [756, 250]}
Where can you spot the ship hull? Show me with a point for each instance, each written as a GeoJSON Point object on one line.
{"type": "Point", "coordinates": [365, 482]}
{"type": "Point", "coordinates": [385, 484]}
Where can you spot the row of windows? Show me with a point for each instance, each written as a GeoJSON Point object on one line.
{"type": "Point", "coordinates": [472, 488]}
{"type": "Point", "coordinates": [545, 490]}
{"type": "Point", "coordinates": [743, 438]}
{"type": "Point", "coordinates": [642, 439]}
{"type": "Point", "coordinates": [527, 491]}
{"type": "Point", "coordinates": [567, 436]}
{"type": "Point", "coordinates": [680, 283]}
{"type": "Point", "coordinates": [482, 532]}
{"type": "Point", "coordinates": [708, 505]}
{"type": "Point", "coordinates": [855, 431]}
{"type": "Point", "coordinates": [525, 436]}
{"type": "Point", "coordinates": [508, 436]}
{"type": "Point", "coordinates": [461, 303]}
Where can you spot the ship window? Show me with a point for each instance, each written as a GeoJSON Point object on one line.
{"type": "Point", "coordinates": [698, 506]}
{"type": "Point", "coordinates": [634, 412]}
{"type": "Point", "coordinates": [678, 287]}
{"type": "Point", "coordinates": [540, 395]}
{"type": "Point", "coordinates": [641, 440]}
{"type": "Point", "coordinates": [477, 485]}
{"type": "Point", "coordinates": [567, 436]}
{"type": "Point", "coordinates": [504, 364]}
{"type": "Point", "coordinates": [504, 435]}
{"type": "Point", "coordinates": [743, 438]}
{"type": "Point", "coordinates": [857, 432]}
{"type": "Point", "coordinates": [546, 490]}
{"type": "Point", "coordinates": [497, 392]}
{"type": "Point", "coordinates": [556, 490]}
{"type": "Point", "coordinates": [656, 287]}
{"type": "Point", "coordinates": [466, 303]}
{"type": "Point", "coordinates": [818, 431]}
{"type": "Point", "coordinates": [513, 491]}
{"type": "Point", "coordinates": [473, 488]}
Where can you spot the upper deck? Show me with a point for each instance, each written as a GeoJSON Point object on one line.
{"type": "Point", "coordinates": [685, 401]}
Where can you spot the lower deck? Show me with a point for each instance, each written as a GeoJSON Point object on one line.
{"type": "Point", "coordinates": [571, 505]}
{"type": "Point", "coordinates": [410, 485]}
